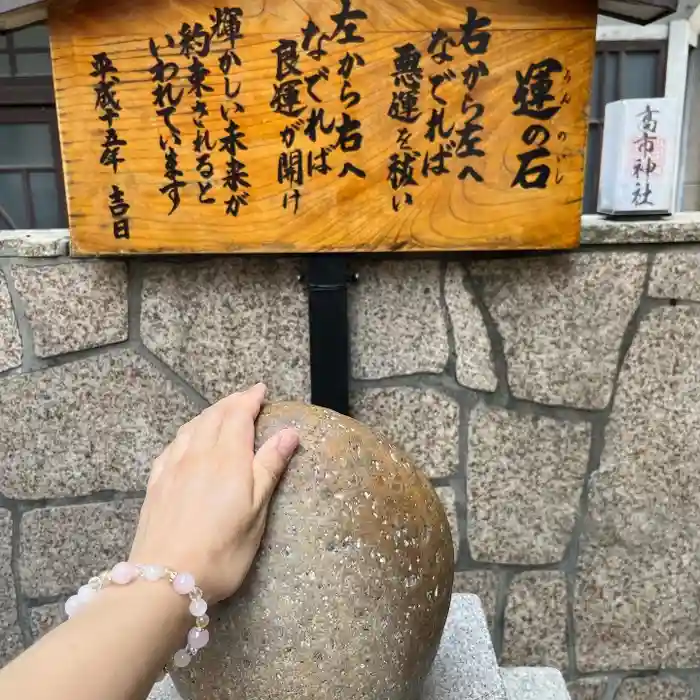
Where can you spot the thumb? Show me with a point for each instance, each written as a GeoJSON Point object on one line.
{"type": "Point", "coordinates": [270, 462]}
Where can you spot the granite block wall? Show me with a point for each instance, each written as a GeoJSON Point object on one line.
{"type": "Point", "coordinates": [554, 400]}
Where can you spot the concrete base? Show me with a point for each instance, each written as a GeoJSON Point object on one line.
{"type": "Point", "coordinates": [465, 667]}
{"type": "Point", "coordinates": [534, 684]}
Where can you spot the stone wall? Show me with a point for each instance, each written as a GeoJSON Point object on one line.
{"type": "Point", "coordinates": [554, 400]}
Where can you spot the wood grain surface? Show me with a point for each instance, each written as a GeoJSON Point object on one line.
{"type": "Point", "coordinates": [330, 212]}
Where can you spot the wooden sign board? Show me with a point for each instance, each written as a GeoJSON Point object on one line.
{"type": "Point", "coordinates": [323, 125]}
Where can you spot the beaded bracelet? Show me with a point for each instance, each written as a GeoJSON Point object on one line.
{"type": "Point", "coordinates": [182, 583]}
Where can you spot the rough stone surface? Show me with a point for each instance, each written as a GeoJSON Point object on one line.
{"type": "Point", "coordinates": [8, 605]}
{"type": "Point", "coordinates": [355, 564]}
{"type": "Point", "coordinates": [682, 226]}
{"type": "Point", "coordinates": [534, 684]}
{"type": "Point", "coordinates": [676, 275]}
{"type": "Point", "coordinates": [10, 341]}
{"type": "Point", "coordinates": [87, 426]}
{"type": "Point", "coordinates": [44, 618]}
{"type": "Point", "coordinates": [472, 343]}
{"type": "Point", "coordinates": [535, 623]}
{"type": "Point", "coordinates": [637, 604]}
{"type": "Point", "coordinates": [73, 306]}
{"type": "Point", "coordinates": [62, 547]}
{"type": "Point", "coordinates": [525, 475]}
{"type": "Point", "coordinates": [654, 689]}
{"type": "Point", "coordinates": [423, 422]}
{"type": "Point", "coordinates": [397, 322]}
{"type": "Point", "coordinates": [588, 689]}
{"type": "Point", "coordinates": [636, 600]}
{"type": "Point", "coordinates": [226, 324]}
{"type": "Point", "coordinates": [483, 584]}
{"type": "Point", "coordinates": [448, 497]}
{"type": "Point", "coordinates": [465, 667]}
{"type": "Point", "coordinates": [34, 244]}
{"type": "Point", "coordinates": [562, 319]}
{"type": "Point", "coordinates": [164, 690]}
{"type": "Point", "coordinates": [11, 644]}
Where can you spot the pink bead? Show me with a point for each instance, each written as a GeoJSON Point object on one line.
{"type": "Point", "coordinates": [181, 659]}
{"type": "Point", "coordinates": [72, 605]}
{"type": "Point", "coordinates": [183, 583]}
{"type": "Point", "coordinates": [197, 638]}
{"type": "Point", "coordinates": [124, 573]}
{"type": "Point", "coordinates": [198, 607]}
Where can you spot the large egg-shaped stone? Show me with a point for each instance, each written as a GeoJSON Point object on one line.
{"type": "Point", "coordinates": [349, 594]}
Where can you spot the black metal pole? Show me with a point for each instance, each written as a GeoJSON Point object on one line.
{"type": "Point", "coordinates": [327, 279]}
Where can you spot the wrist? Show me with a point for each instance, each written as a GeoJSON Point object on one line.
{"type": "Point", "coordinates": [155, 600]}
{"type": "Point", "coordinates": [157, 596]}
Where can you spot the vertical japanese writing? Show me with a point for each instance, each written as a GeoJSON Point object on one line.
{"type": "Point", "coordinates": [534, 100]}
{"type": "Point", "coordinates": [646, 148]}
{"type": "Point", "coordinates": [110, 108]}
{"type": "Point", "coordinates": [287, 90]}
{"type": "Point", "coordinates": [435, 161]}
{"type": "Point", "coordinates": [562, 135]}
{"type": "Point", "coordinates": [318, 124]}
{"type": "Point", "coordinates": [408, 76]}
{"type": "Point", "coordinates": [236, 179]}
{"type": "Point", "coordinates": [166, 100]}
{"type": "Point", "coordinates": [119, 208]}
{"type": "Point", "coordinates": [227, 23]}
{"type": "Point", "coordinates": [107, 102]}
{"type": "Point", "coordinates": [475, 41]}
{"type": "Point", "coordinates": [287, 101]}
{"type": "Point", "coordinates": [195, 44]}
{"type": "Point", "coordinates": [302, 98]}
{"type": "Point", "coordinates": [446, 139]}
{"type": "Point", "coordinates": [349, 129]}
{"type": "Point", "coordinates": [226, 27]}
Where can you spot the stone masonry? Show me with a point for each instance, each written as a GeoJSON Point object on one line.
{"type": "Point", "coordinates": [554, 400]}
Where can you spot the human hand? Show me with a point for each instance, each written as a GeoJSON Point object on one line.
{"type": "Point", "coordinates": [208, 494]}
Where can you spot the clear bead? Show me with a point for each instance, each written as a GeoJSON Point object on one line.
{"type": "Point", "coordinates": [182, 659]}
{"type": "Point", "coordinates": [202, 622]}
{"type": "Point", "coordinates": [153, 572]}
{"type": "Point", "coordinates": [198, 607]}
